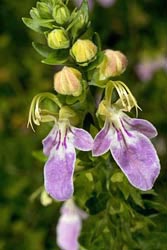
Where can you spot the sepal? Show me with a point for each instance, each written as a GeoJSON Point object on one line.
{"type": "Point", "coordinates": [58, 57]}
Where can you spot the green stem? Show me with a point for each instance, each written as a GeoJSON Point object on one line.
{"type": "Point", "coordinates": [108, 92]}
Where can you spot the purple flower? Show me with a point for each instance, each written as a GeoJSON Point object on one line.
{"type": "Point", "coordinates": [104, 3]}
{"type": "Point", "coordinates": [69, 226]}
{"type": "Point", "coordinates": [60, 146]}
{"type": "Point", "coordinates": [128, 141]}
{"type": "Point", "coordinates": [145, 70]}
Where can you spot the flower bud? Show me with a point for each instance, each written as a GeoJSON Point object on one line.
{"type": "Point", "coordinates": [68, 81]}
{"type": "Point", "coordinates": [44, 10]}
{"type": "Point", "coordinates": [113, 64]}
{"type": "Point", "coordinates": [80, 25]}
{"type": "Point", "coordinates": [34, 13]}
{"type": "Point", "coordinates": [58, 39]}
{"type": "Point", "coordinates": [84, 51]}
{"type": "Point", "coordinates": [61, 14]}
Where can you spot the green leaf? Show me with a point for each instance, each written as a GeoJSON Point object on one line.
{"type": "Point", "coordinates": [97, 202]}
{"type": "Point", "coordinates": [117, 177]}
{"type": "Point", "coordinates": [116, 207]}
{"type": "Point", "coordinates": [42, 49]}
{"type": "Point", "coordinates": [32, 24]}
{"type": "Point", "coordinates": [93, 130]}
{"type": "Point", "coordinates": [81, 181]}
{"type": "Point", "coordinates": [56, 58]}
{"type": "Point", "coordinates": [45, 23]}
{"type": "Point", "coordinates": [154, 241]}
{"type": "Point", "coordinates": [97, 41]}
{"type": "Point", "coordinates": [156, 205]}
{"type": "Point", "coordinates": [37, 24]}
{"type": "Point", "coordinates": [136, 196]}
{"type": "Point", "coordinates": [39, 156]}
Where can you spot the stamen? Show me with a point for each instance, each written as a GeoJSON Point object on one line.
{"type": "Point", "coordinates": [126, 97]}
{"type": "Point", "coordinates": [37, 115]}
{"type": "Point", "coordinates": [120, 94]}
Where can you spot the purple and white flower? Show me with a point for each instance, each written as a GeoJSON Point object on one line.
{"type": "Point", "coordinates": [104, 3]}
{"type": "Point", "coordinates": [60, 146]}
{"type": "Point", "coordinates": [128, 141]}
{"type": "Point", "coordinates": [69, 226]}
{"type": "Point", "coordinates": [146, 69]}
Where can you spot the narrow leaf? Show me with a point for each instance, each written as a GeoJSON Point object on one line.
{"type": "Point", "coordinates": [32, 24]}
{"type": "Point", "coordinates": [56, 58]}
{"type": "Point", "coordinates": [42, 49]}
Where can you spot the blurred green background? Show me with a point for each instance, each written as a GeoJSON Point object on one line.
{"type": "Point", "coordinates": [138, 29]}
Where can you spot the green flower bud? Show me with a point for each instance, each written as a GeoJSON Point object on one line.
{"type": "Point", "coordinates": [80, 25]}
{"type": "Point", "coordinates": [68, 81]}
{"type": "Point", "coordinates": [80, 20]}
{"type": "Point", "coordinates": [83, 51]}
{"type": "Point", "coordinates": [61, 14]}
{"type": "Point", "coordinates": [43, 10]}
{"type": "Point", "coordinates": [58, 39]}
{"type": "Point", "coordinates": [34, 13]}
{"type": "Point", "coordinates": [114, 64]}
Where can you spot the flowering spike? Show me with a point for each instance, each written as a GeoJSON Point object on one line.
{"type": "Point", "coordinates": [69, 41]}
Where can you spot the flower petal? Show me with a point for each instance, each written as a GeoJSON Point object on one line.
{"type": "Point", "coordinates": [68, 231]}
{"type": "Point", "coordinates": [102, 140]}
{"type": "Point", "coordinates": [143, 126]}
{"type": "Point", "coordinates": [50, 141]}
{"type": "Point", "coordinates": [106, 3]}
{"type": "Point", "coordinates": [69, 225]}
{"type": "Point", "coordinates": [58, 172]}
{"type": "Point", "coordinates": [82, 140]}
{"type": "Point", "coordinates": [137, 158]}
